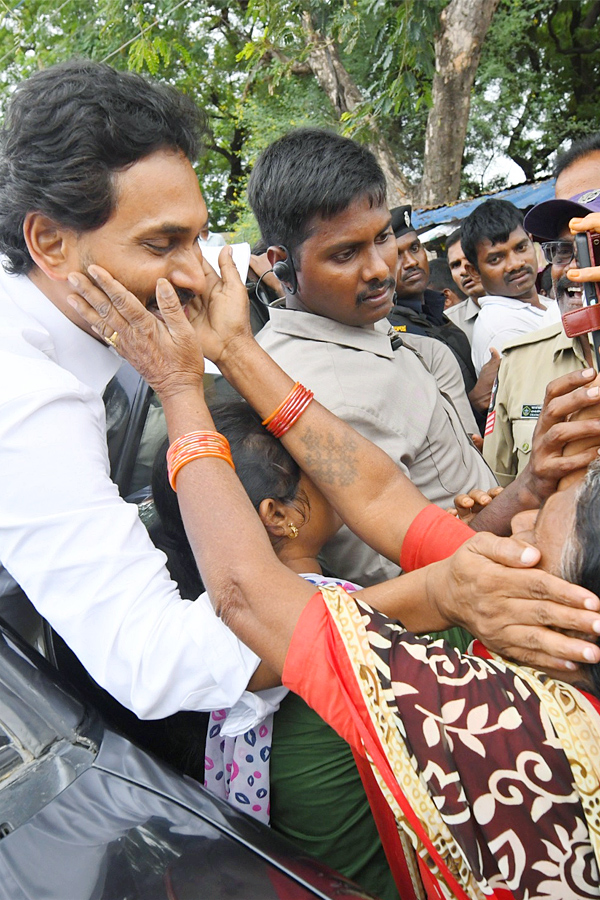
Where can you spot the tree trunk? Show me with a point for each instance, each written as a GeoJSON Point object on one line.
{"type": "Point", "coordinates": [344, 95]}
{"type": "Point", "coordinates": [458, 42]}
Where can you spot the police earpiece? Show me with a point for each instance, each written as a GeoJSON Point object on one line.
{"type": "Point", "coordinates": [285, 271]}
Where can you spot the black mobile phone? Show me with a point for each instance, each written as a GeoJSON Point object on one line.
{"type": "Point", "coordinates": [587, 250]}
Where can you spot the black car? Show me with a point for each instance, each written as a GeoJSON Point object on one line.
{"type": "Point", "coordinates": [87, 815]}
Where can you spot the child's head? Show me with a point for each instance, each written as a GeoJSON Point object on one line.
{"type": "Point", "coordinates": [289, 505]}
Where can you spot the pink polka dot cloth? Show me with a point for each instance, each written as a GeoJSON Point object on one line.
{"type": "Point", "coordinates": [237, 768]}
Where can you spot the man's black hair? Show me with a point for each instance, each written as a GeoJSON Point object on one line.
{"type": "Point", "coordinates": [578, 150]}
{"type": "Point", "coordinates": [453, 238]}
{"type": "Point", "coordinates": [492, 220]}
{"type": "Point", "coordinates": [67, 130]}
{"type": "Point", "coordinates": [581, 553]}
{"type": "Point", "coordinates": [545, 281]}
{"type": "Point", "coordinates": [307, 173]}
{"type": "Point", "coordinates": [440, 277]}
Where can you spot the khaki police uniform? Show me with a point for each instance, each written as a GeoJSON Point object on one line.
{"type": "Point", "coordinates": [390, 396]}
{"type": "Point", "coordinates": [529, 364]}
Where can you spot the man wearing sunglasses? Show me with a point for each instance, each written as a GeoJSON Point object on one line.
{"type": "Point", "coordinates": [534, 359]}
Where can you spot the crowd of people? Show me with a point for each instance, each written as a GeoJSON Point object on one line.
{"type": "Point", "coordinates": [420, 691]}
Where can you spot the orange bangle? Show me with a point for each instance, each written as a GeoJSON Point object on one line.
{"type": "Point", "coordinates": [289, 410]}
{"type": "Point", "coordinates": [270, 418]}
{"type": "Point", "coordinates": [195, 445]}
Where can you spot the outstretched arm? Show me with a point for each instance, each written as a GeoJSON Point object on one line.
{"type": "Point", "coordinates": [559, 425]}
{"type": "Point", "coordinates": [256, 594]}
{"type": "Point", "coordinates": [368, 490]}
{"type": "Point", "coordinates": [376, 500]}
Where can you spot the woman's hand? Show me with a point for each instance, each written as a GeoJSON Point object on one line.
{"type": "Point", "coordinates": [489, 586]}
{"type": "Point", "coordinates": [221, 317]}
{"type": "Point", "coordinates": [466, 506]}
{"type": "Point", "coordinates": [166, 353]}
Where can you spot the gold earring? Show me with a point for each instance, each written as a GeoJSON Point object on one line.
{"type": "Point", "coordinates": [293, 531]}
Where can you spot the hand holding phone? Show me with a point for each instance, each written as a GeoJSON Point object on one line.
{"type": "Point", "coordinates": [587, 251]}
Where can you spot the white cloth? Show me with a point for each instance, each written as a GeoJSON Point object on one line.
{"type": "Point", "coordinates": [237, 759]}
{"type": "Point", "coordinates": [502, 319]}
{"type": "Point", "coordinates": [80, 553]}
{"type": "Point", "coordinates": [214, 239]}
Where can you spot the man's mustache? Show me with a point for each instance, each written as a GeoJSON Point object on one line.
{"type": "Point", "coordinates": [185, 296]}
{"type": "Point", "coordinates": [526, 270]}
{"type": "Point", "coordinates": [375, 287]}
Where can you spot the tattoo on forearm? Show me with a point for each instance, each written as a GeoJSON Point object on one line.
{"type": "Point", "coordinates": [328, 460]}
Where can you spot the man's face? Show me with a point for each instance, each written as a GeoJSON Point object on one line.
{"type": "Point", "coordinates": [347, 265]}
{"type": "Point", "coordinates": [466, 278]}
{"type": "Point", "coordinates": [508, 268]}
{"type": "Point", "coordinates": [548, 528]}
{"type": "Point", "coordinates": [569, 295]}
{"type": "Point", "coordinates": [412, 273]}
{"type": "Point", "coordinates": [583, 175]}
{"type": "Point", "coordinates": [153, 230]}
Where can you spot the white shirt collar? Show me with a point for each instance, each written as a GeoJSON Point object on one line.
{"type": "Point", "coordinates": [89, 360]}
{"type": "Point", "coordinates": [514, 303]}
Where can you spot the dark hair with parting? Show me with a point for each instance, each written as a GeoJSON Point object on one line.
{"type": "Point", "coordinates": [492, 220]}
{"type": "Point", "coordinates": [262, 464]}
{"type": "Point", "coordinates": [307, 173]}
{"type": "Point", "coordinates": [578, 150]}
{"type": "Point", "coordinates": [67, 130]}
{"type": "Point", "coordinates": [581, 554]}
{"type": "Point", "coordinates": [453, 238]}
{"type": "Point", "coordinates": [440, 277]}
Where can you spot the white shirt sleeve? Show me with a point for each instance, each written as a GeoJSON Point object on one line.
{"type": "Point", "coordinates": [86, 562]}
{"type": "Point", "coordinates": [483, 339]}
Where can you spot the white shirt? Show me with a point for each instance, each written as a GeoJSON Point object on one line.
{"type": "Point", "coordinates": [502, 319]}
{"type": "Point", "coordinates": [80, 553]}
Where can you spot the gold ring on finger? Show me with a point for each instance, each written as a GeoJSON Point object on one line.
{"type": "Point", "coordinates": [113, 339]}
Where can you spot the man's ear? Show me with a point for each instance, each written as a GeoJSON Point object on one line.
{"type": "Point", "coordinates": [275, 254]}
{"type": "Point", "coordinates": [449, 297]}
{"type": "Point", "coordinates": [51, 246]}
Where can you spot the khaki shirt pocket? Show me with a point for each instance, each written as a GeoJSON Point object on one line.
{"type": "Point", "coordinates": [523, 437]}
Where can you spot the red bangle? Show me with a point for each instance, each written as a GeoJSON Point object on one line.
{"type": "Point", "coordinates": [196, 445]}
{"type": "Point", "coordinates": [289, 411]}
{"type": "Point", "coordinates": [433, 535]}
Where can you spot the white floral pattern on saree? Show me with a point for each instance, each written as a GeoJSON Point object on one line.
{"type": "Point", "coordinates": [499, 763]}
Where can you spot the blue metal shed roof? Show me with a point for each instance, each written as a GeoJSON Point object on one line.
{"type": "Point", "coordinates": [523, 196]}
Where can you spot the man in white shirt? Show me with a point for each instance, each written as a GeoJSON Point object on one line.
{"type": "Point", "coordinates": [95, 166]}
{"type": "Point", "coordinates": [501, 252]}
